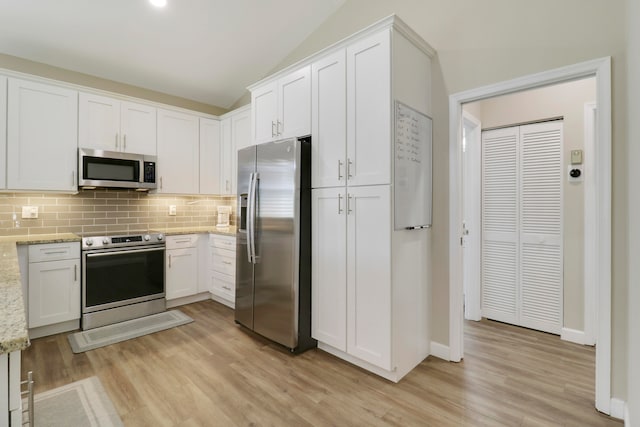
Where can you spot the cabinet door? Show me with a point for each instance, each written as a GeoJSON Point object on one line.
{"type": "Point", "coordinates": [178, 153]}
{"type": "Point", "coordinates": [329, 123]}
{"type": "Point", "coordinates": [3, 132]}
{"type": "Point", "coordinates": [329, 267]}
{"type": "Point", "coordinates": [226, 158]}
{"type": "Point", "coordinates": [241, 136]}
{"type": "Point", "coordinates": [294, 104]}
{"type": "Point", "coordinates": [42, 137]}
{"type": "Point", "coordinates": [369, 111]}
{"type": "Point", "coordinates": [264, 112]}
{"type": "Point", "coordinates": [54, 292]}
{"type": "Point", "coordinates": [138, 128]}
{"type": "Point", "coordinates": [210, 160]}
{"type": "Point", "coordinates": [99, 122]}
{"type": "Point", "coordinates": [182, 272]}
{"type": "Point", "coordinates": [369, 274]}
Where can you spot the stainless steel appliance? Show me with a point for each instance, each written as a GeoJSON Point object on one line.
{"type": "Point", "coordinates": [99, 168]}
{"type": "Point", "coordinates": [123, 278]}
{"type": "Point", "coordinates": [273, 256]}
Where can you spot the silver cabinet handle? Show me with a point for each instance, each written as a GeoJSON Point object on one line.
{"type": "Point", "coordinates": [349, 163]}
{"type": "Point", "coordinates": [226, 185]}
{"type": "Point", "coordinates": [124, 143]}
{"type": "Point", "coordinates": [116, 140]}
{"type": "Point", "coordinates": [169, 261]}
{"type": "Point", "coordinates": [226, 262]}
{"type": "Point", "coordinates": [340, 164]}
{"type": "Point", "coordinates": [349, 210]}
{"type": "Point", "coordinates": [54, 252]}
{"type": "Point", "coordinates": [161, 183]}
{"type": "Point", "coordinates": [340, 210]}
{"type": "Point", "coordinates": [226, 288]}
{"type": "Point", "coordinates": [273, 131]}
{"type": "Point", "coordinates": [75, 272]}
{"type": "Point", "coordinates": [279, 127]}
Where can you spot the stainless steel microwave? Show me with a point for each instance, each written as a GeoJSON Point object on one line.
{"type": "Point", "coordinates": [99, 168]}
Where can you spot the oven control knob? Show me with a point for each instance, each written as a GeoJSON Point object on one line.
{"type": "Point", "coordinates": [89, 242]}
{"type": "Point", "coordinates": [105, 241]}
{"type": "Point", "coordinates": [160, 237]}
{"type": "Point", "coordinates": [146, 237]}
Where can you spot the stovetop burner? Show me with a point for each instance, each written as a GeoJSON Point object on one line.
{"type": "Point", "coordinates": [93, 241]}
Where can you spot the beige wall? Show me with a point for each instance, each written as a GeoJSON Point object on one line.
{"type": "Point", "coordinates": [633, 112]}
{"type": "Point", "coordinates": [99, 211]}
{"type": "Point", "coordinates": [39, 69]}
{"type": "Point", "coordinates": [565, 100]}
{"type": "Point", "coordinates": [480, 43]}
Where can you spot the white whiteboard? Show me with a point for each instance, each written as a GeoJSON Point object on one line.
{"type": "Point", "coordinates": [412, 172]}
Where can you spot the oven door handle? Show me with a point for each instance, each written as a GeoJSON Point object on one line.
{"type": "Point", "coordinates": [121, 251]}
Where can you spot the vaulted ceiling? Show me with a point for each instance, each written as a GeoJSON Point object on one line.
{"type": "Point", "coordinates": [204, 50]}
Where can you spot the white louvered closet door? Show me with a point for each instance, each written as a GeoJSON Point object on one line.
{"type": "Point", "coordinates": [522, 268]}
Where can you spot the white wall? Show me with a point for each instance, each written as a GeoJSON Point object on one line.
{"type": "Point", "coordinates": [633, 113]}
{"type": "Point", "coordinates": [564, 100]}
{"type": "Point", "coordinates": [489, 41]}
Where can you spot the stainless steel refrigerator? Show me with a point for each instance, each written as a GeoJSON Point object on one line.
{"type": "Point", "coordinates": [273, 253]}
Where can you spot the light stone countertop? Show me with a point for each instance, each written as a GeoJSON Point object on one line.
{"type": "Point", "coordinates": [13, 324]}
{"type": "Point", "coordinates": [230, 231]}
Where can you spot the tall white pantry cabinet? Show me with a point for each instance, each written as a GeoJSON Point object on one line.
{"type": "Point", "coordinates": [370, 283]}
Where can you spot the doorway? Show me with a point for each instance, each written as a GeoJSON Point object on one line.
{"type": "Point", "coordinates": [600, 244]}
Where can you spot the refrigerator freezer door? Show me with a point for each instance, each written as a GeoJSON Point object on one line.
{"type": "Point", "coordinates": [244, 267]}
{"type": "Point", "coordinates": [275, 309]}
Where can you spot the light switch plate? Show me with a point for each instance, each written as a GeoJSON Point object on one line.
{"type": "Point", "coordinates": [172, 210]}
{"type": "Point", "coordinates": [29, 212]}
{"type": "Point", "coordinates": [576, 157]}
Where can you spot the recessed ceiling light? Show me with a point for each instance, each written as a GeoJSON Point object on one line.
{"type": "Point", "coordinates": [158, 3]}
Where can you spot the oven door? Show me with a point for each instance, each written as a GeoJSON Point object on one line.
{"type": "Point", "coordinates": [116, 277]}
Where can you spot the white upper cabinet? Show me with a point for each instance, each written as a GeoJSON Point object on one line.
{"type": "Point", "coordinates": [3, 132]}
{"type": "Point", "coordinates": [282, 108]}
{"type": "Point", "coordinates": [178, 153]}
{"type": "Point", "coordinates": [235, 134]}
{"type": "Point", "coordinates": [210, 159]}
{"type": "Point", "coordinates": [329, 121]}
{"type": "Point", "coordinates": [109, 124]}
{"type": "Point", "coordinates": [42, 137]}
{"type": "Point", "coordinates": [369, 111]}
{"type": "Point", "coordinates": [351, 114]}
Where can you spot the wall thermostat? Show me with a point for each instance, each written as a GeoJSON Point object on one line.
{"type": "Point", "coordinates": [575, 173]}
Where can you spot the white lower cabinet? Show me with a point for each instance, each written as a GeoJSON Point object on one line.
{"type": "Point", "coordinates": [222, 268]}
{"type": "Point", "coordinates": [54, 284]}
{"type": "Point", "coordinates": [181, 266]}
{"type": "Point", "coordinates": [369, 282]}
{"type": "Point", "coordinates": [351, 267]}
{"type": "Point", "coordinates": [10, 398]}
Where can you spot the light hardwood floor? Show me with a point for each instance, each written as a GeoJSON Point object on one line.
{"type": "Point", "coordinates": [212, 373]}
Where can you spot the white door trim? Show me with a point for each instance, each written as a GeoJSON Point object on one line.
{"type": "Point", "coordinates": [471, 211]}
{"type": "Point", "coordinates": [601, 69]}
{"type": "Point", "coordinates": [590, 209]}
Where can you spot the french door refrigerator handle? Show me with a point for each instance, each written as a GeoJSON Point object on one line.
{"type": "Point", "coordinates": [249, 219]}
{"type": "Point", "coordinates": [252, 216]}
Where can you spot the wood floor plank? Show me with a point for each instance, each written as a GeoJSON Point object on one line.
{"type": "Point", "coordinates": [213, 372]}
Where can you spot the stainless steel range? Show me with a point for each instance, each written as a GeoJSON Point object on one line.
{"type": "Point", "coordinates": [123, 277]}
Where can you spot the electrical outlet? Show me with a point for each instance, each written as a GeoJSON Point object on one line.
{"type": "Point", "coordinates": [29, 212]}
{"type": "Point", "coordinates": [172, 210]}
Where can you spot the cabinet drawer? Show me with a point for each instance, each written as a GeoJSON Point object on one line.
{"type": "Point", "coordinates": [223, 242]}
{"type": "Point", "coordinates": [54, 251]}
{"type": "Point", "coordinates": [223, 261]}
{"type": "Point", "coordinates": [224, 285]}
{"type": "Point", "coordinates": [182, 241]}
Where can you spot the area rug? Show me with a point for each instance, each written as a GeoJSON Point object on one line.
{"type": "Point", "coordinates": [82, 403]}
{"type": "Point", "coordinates": [111, 334]}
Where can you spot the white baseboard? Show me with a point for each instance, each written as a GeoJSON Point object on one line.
{"type": "Point", "coordinates": [440, 351]}
{"type": "Point", "coordinates": [627, 416]}
{"type": "Point", "coordinates": [617, 408]}
{"type": "Point", "coordinates": [573, 335]}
